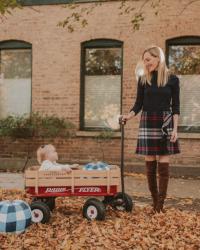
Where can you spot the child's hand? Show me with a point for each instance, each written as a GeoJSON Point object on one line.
{"type": "Point", "coordinates": [67, 169]}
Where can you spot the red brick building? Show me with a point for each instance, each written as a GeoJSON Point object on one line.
{"type": "Point", "coordinates": [87, 76]}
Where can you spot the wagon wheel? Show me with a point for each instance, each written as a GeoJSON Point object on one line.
{"type": "Point", "coordinates": [122, 202]}
{"type": "Point", "coordinates": [94, 209]}
{"type": "Point", "coordinates": [49, 201]}
{"type": "Point", "coordinates": [40, 212]}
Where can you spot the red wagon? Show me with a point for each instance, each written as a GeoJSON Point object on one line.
{"type": "Point", "coordinates": [45, 186]}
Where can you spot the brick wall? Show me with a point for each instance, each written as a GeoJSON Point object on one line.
{"type": "Point", "coordinates": [56, 69]}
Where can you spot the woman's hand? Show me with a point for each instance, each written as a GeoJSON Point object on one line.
{"type": "Point", "coordinates": [128, 116]}
{"type": "Point", "coordinates": [174, 136]}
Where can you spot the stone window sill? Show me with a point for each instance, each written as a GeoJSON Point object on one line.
{"type": "Point", "coordinates": [181, 135]}
{"type": "Point", "coordinates": [95, 134]}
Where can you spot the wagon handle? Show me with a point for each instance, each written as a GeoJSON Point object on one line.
{"type": "Point", "coordinates": [122, 123]}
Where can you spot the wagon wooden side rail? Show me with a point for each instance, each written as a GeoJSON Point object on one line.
{"type": "Point", "coordinates": [79, 182]}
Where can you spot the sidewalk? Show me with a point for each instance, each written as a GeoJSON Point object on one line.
{"type": "Point", "coordinates": [182, 193]}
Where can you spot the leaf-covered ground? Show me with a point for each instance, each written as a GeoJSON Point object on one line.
{"type": "Point", "coordinates": [140, 229]}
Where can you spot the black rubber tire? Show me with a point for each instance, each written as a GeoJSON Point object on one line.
{"type": "Point", "coordinates": [125, 204]}
{"type": "Point", "coordinates": [49, 201]}
{"type": "Point", "coordinates": [98, 206]}
{"type": "Point", "coordinates": [44, 210]}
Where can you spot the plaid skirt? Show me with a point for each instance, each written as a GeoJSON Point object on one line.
{"type": "Point", "coordinates": [154, 134]}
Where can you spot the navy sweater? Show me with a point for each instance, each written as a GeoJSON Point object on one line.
{"type": "Point", "coordinates": [154, 98]}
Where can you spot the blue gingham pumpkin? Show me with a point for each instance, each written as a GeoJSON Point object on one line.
{"type": "Point", "coordinates": [15, 216]}
{"type": "Point", "coordinates": [96, 166]}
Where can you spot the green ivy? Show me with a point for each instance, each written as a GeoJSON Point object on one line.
{"type": "Point", "coordinates": [36, 125]}
{"type": "Point", "coordinates": [6, 6]}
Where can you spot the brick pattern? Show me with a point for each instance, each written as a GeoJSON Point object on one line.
{"type": "Point", "coordinates": [56, 69]}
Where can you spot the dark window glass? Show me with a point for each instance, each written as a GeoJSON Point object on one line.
{"type": "Point", "coordinates": [15, 80]}
{"type": "Point", "coordinates": [102, 68]}
{"type": "Point", "coordinates": [184, 60]}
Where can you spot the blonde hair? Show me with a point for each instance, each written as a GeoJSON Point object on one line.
{"type": "Point", "coordinates": [163, 71]}
{"type": "Point", "coordinates": [42, 152]}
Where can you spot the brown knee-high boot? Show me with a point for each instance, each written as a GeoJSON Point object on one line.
{"type": "Point", "coordinates": [163, 176]}
{"type": "Point", "coordinates": [151, 168]}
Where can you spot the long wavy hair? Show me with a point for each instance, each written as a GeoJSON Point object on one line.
{"type": "Point", "coordinates": [163, 71]}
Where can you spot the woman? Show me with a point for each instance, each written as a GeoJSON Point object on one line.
{"type": "Point", "coordinates": [158, 97]}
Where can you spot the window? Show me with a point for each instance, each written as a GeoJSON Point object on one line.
{"type": "Point", "coordinates": [15, 78]}
{"type": "Point", "coordinates": [184, 60]}
{"type": "Point", "coordinates": [101, 76]}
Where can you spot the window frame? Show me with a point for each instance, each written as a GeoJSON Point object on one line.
{"type": "Point", "coordinates": [91, 44]}
{"type": "Point", "coordinates": [17, 44]}
{"type": "Point", "coordinates": [183, 40]}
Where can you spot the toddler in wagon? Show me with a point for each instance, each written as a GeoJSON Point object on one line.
{"type": "Point", "coordinates": [47, 157]}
